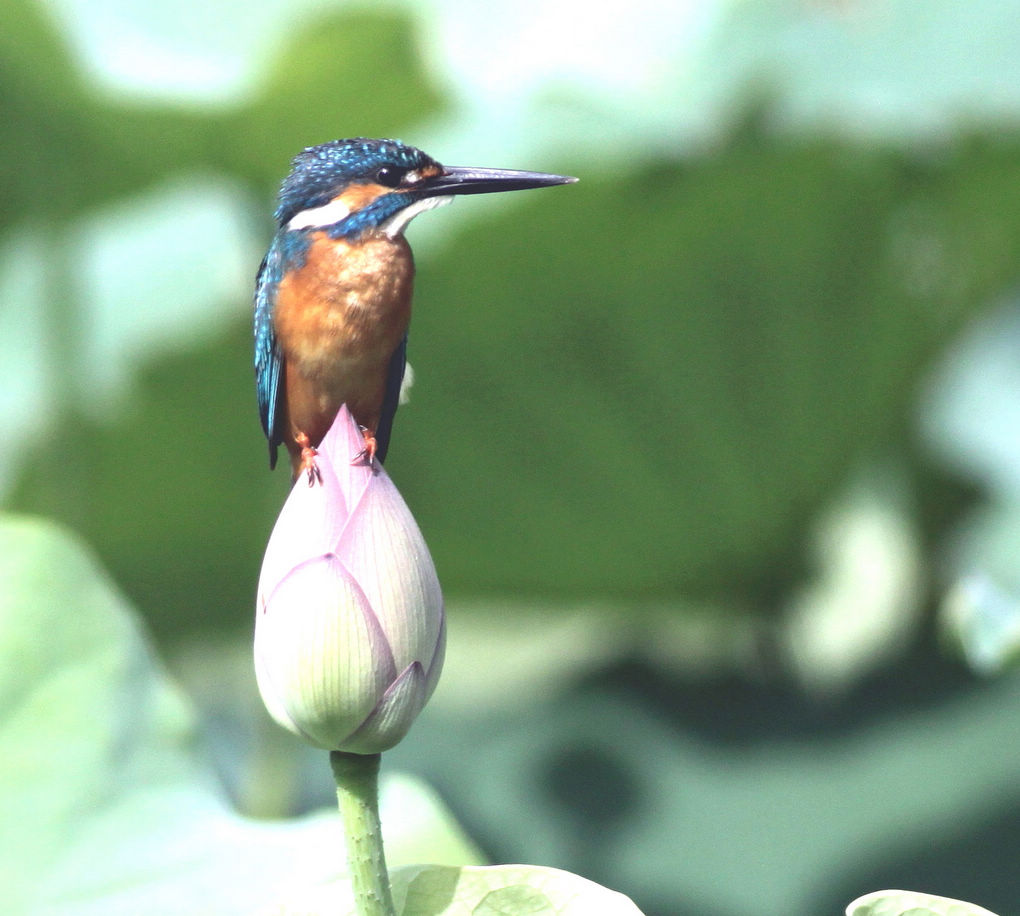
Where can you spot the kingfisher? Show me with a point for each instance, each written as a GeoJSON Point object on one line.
{"type": "Point", "coordinates": [333, 293]}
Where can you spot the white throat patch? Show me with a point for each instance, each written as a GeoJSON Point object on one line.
{"type": "Point", "coordinates": [316, 217]}
{"type": "Point", "coordinates": [397, 223]}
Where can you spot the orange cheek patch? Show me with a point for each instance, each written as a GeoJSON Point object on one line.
{"type": "Point", "coordinates": [429, 171]}
{"type": "Point", "coordinates": [358, 196]}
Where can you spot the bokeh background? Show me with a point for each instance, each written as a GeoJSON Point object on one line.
{"type": "Point", "coordinates": [717, 451]}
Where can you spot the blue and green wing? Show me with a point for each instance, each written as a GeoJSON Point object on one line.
{"type": "Point", "coordinates": [268, 360]}
{"type": "Point", "coordinates": [391, 399]}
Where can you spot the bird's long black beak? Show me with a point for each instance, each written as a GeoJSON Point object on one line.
{"type": "Point", "coordinates": [456, 180]}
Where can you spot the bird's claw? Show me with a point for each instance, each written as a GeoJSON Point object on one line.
{"type": "Point", "coordinates": [367, 454]}
{"type": "Point", "coordinates": [308, 465]}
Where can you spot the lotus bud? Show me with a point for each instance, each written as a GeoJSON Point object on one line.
{"type": "Point", "coordinates": [349, 627]}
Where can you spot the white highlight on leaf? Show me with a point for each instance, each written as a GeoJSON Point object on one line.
{"type": "Point", "coordinates": [397, 223]}
{"type": "Point", "coordinates": [315, 217]}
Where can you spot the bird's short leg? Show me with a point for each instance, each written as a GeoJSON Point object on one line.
{"type": "Point", "coordinates": [367, 454]}
{"type": "Point", "coordinates": [308, 464]}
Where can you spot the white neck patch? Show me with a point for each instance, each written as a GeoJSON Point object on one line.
{"type": "Point", "coordinates": [316, 217]}
{"type": "Point", "coordinates": [397, 223]}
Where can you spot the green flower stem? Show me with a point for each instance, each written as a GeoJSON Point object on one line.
{"type": "Point", "coordinates": [357, 792]}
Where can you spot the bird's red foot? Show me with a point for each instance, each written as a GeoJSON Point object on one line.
{"type": "Point", "coordinates": [367, 454]}
{"type": "Point", "coordinates": [308, 465]}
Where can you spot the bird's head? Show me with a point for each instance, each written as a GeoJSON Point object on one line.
{"type": "Point", "coordinates": [354, 186]}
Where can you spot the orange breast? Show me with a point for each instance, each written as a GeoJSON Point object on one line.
{"type": "Point", "coordinates": [338, 320]}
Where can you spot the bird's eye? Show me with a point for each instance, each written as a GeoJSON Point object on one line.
{"type": "Point", "coordinates": [389, 175]}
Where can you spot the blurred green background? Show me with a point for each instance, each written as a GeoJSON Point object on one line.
{"type": "Point", "coordinates": [717, 452]}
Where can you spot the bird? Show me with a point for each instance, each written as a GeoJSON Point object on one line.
{"type": "Point", "coordinates": [332, 300]}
